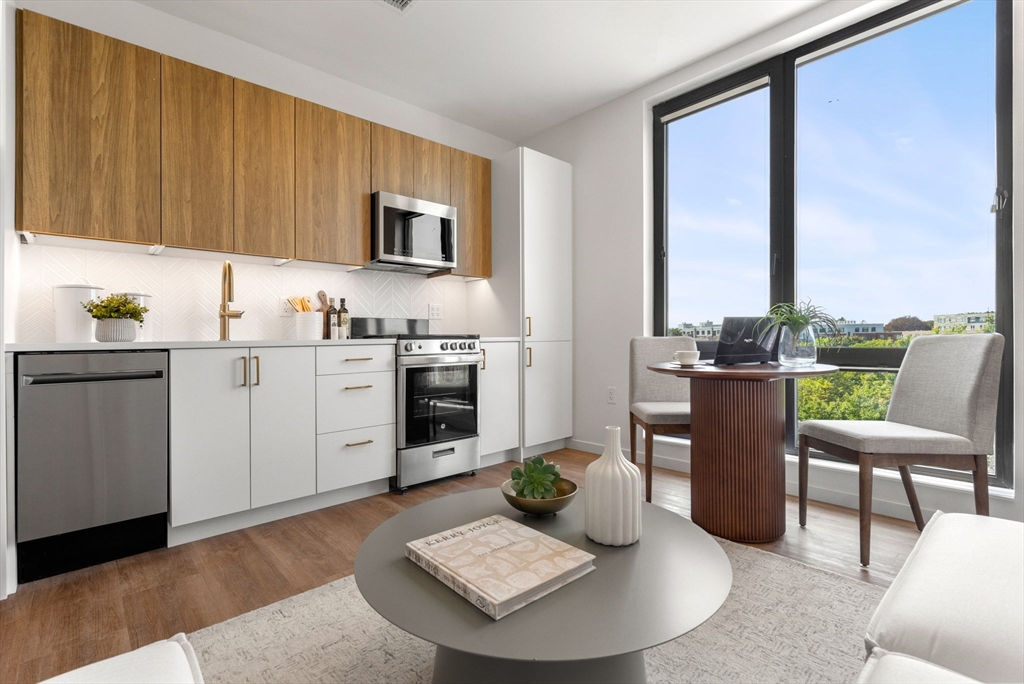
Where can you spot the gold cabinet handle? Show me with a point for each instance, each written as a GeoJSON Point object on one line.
{"type": "Point", "coordinates": [355, 444]}
{"type": "Point", "coordinates": [529, 357]}
{"type": "Point", "coordinates": [360, 387]}
{"type": "Point", "coordinates": [257, 360]}
{"type": "Point", "coordinates": [484, 352]}
{"type": "Point", "coordinates": [245, 371]}
{"type": "Point", "coordinates": [529, 326]}
{"type": "Point", "coordinates": [363, 358]}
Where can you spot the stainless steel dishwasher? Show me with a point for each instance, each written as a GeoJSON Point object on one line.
{"type": "Point", "coordinates": [91, 458]}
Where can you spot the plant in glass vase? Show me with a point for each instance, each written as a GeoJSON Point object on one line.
{"type": "Point", "coordinates": [798, 344]}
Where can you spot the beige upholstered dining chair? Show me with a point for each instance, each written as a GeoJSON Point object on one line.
{"type": "Point", "coordinates": [942, 413]}
{"type": "Point", "coordinates": [658, 403]}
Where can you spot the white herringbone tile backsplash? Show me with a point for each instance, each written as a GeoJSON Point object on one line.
{"type": "Point", "coordinates": [186, 293]}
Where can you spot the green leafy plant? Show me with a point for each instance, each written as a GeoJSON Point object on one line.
{"type": "Point", "coordinates": [116, 306]}
{"type": "Point", "coordinates": [798, 317]}
{"type": "Point", "coordinates": [535, 479]}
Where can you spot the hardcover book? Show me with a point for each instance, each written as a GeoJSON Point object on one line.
{"type": "Point", "coordinates": [499, 565]}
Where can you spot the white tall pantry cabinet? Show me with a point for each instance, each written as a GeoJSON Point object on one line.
{"type": "Point", "coordinates": [529, 295]}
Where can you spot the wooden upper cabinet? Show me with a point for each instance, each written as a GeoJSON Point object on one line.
{"type": "Point", "coordinates": [332, 185]}
{"type": "Point", "coordinates": [264, 171]}
{"type": "Point", "coordinates": [197, 157]}
{"type": "Point", "coordinates": [394, 161]}
{"type": "Point", "coordinates": [88, 143]}
{"type": "Point", "coordinates": [433, 172]}
{"type": "Point", "coordinates": [471, 195]}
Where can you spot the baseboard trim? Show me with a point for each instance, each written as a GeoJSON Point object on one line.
{"type": "Point", "coordinates": [257, 516]}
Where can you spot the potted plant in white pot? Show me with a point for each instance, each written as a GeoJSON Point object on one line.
{"type": "Point", "coordinates": [798, 342]}
{"type": "Point", "coordinates": [116, 316]}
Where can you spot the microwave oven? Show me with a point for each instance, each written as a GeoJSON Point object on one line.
{"type": "Point", "coordinates": [411, 235]}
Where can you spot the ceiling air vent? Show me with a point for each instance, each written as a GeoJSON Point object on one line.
{"type": "Point", "coordinates": [400, 6]}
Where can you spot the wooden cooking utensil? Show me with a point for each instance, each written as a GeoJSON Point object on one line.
{"type": "Point", "coordinates": [323, 301]}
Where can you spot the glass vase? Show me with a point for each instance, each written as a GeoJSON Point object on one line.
{"type": "Point", "coordinates": [798, 348]}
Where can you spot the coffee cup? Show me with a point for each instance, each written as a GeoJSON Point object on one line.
{"type": "Point", "coordinates": [686, 358]}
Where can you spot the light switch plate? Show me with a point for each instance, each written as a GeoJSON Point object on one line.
{"type": "Point", "coordinates": [436, 312]}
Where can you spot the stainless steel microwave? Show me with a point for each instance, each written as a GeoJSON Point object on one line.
{"type": "Point", "coordinates": [412, 235]}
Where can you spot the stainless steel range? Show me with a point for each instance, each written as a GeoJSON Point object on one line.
{"type": "Point", "coordinates": [438, 407]}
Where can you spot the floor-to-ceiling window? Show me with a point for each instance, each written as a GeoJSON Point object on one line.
{"type": "Point", "coordinates": [867, 172]}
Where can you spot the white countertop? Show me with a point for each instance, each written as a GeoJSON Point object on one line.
{"type": "Point", "coordinates": [215, 344]}
{"type": "Point", "coordinates": [499, 339]}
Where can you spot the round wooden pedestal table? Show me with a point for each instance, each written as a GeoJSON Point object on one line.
{"type": "Point", "coordinates": [593, 630]}
{"type": "Point", "coordinates": [738, 446]}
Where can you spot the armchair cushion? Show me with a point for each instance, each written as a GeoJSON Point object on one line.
{"type": "Point", "coordinates": [885, 437]}
{"type": "Point", "coordinates": [958, 602]}
{"type": "Point", "coordinates": [886, 668]}
{"type": "Point", "coordinates": [171, 661]}
{"type": "Point", "coordinates": [662, 412]}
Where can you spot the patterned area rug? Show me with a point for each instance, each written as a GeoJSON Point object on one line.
{"type": "Point", "coordinates": [783, 622]}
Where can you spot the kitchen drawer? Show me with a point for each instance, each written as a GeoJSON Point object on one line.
{"type": "Point", "coordinates": [369, 358]}
{"type": "Point", "coordinates": [355, 456]}
{"type": "Point", "coordinates": [346, 402]}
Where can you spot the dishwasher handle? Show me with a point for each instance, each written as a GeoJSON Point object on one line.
{"type": "Point", "coordinates": [97, 376]}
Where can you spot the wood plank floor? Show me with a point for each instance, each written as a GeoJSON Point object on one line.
{"type": "Point", "coordinates": [56, 624]}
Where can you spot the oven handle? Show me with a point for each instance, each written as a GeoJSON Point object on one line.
{"type": "Point", "coordinates": [440, 360]}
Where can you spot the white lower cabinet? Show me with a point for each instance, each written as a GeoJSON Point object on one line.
{"type": "Point", "coordinates": [209, 433]}
{"type": "Point", "coordinates": [243, 431]}
{"type": "Point", "coordinates": [547, 388]}
{"type": "Point", "coordinates": [282, 404]}
{"type": "Point", "coordinates": [355, 456]}
{"type": "Point", "coordinates": [498, 386]}
{"type": "Point", "coordinates": [354, 400]}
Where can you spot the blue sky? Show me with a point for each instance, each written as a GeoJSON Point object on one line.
{"type": "Point", "coordinates": [895, 176]}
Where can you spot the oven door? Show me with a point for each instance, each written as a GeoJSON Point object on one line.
{"type": "Point", "coordinates": [437, 399]}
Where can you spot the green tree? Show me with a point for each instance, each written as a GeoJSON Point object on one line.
{"type": "Point", "coordinates": [845, 395]}
{"type": "Point", "coordinates": [902, 323]}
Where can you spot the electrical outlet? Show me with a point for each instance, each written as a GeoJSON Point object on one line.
{"type": "Point", "coordinates": [611, 395]}
{"type": "Point", "coordinates": [286, 310]}
{"type": "Point", "coordinates": [436, 313]}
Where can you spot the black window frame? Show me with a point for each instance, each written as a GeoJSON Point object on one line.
{"type": "Point", "coordinates": [781, 74]}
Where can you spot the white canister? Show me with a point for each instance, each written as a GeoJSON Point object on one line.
{"type": "Point", "coordinates": [309, 325]}
{"type": "Point", "coordinates": [612, 513]}
{"type": "Point", "coordinates": [143, 331]}
{"type": "Point", "coordinates": [72, 322]}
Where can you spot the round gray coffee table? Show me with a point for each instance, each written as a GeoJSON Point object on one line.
{"type": "Point", "coordinates": [594, 629]}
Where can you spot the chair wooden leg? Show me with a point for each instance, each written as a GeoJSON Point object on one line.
{"type": "Point", "coordinates": [866, 477]}
{"type": "Point", "coordinates": [649, 459]}
{"type": "Point", "coordinates": [981, 485]}
{"type": "Point", "coordinates": [804, 458]}
{"type": "Point", "coordinates": [915, 506]}
{"type": "Point", "coordinates": [632, 438]}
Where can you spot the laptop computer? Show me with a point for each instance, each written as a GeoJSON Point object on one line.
{"type": "Point", "coordinates": [744, 340]}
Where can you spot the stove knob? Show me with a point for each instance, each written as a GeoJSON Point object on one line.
{"type": "Point", "coordinates": [444, 346]}
{"type": "Point", "coordinates": [472, 345]}
{"type": "Point", "coordinates": [409, 346]}
{"type": "Point", "coordinates": [462, 345]}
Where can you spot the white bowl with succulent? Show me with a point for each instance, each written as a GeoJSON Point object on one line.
{"type": "Point", "coordinates": [116, 316]}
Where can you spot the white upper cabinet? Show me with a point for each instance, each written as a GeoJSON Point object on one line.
{"type": "Point", "coordinates": [282, 401]}
{"type": "Point", "coordinates": [209, 429]}
{"type": "Point", "coordinates": [499, 397]}
{"type": "Point", "coordinates": [547, 247]}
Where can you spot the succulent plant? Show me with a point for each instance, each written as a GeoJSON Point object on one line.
{"type": "Point", "coordinates": [116, 306]}
{"type": "Point", "coordinates": [535, 479]}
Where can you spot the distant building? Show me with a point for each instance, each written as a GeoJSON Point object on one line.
{"type": "Point", "coordinates": [974, 321]}
{"type": "Point", "coordinates": [863, 328]}
{"type": "Point", "coordinates": [702, 331]}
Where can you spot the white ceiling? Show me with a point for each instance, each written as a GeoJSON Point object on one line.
{"type": "Point", "coordinates": [511, 68]}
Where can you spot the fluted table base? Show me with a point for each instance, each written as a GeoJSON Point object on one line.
{"type": "Point", "coordinates": [738, 458]}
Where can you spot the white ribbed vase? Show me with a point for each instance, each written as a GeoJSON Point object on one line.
{"type": "Point", "coordinates": [613, 499]}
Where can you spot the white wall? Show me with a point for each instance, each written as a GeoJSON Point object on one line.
{"type": "Point", "coordinates": [610, 150]}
